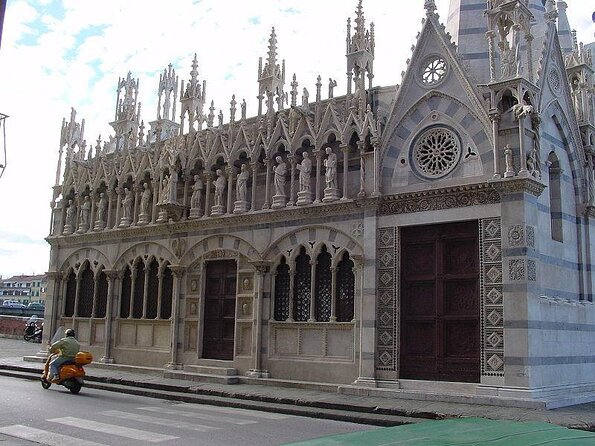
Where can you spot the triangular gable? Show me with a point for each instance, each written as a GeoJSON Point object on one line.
{"type": "Point", "coordinates": [433, 41]}
{"type": "Point", "coordinates": [330, 122]}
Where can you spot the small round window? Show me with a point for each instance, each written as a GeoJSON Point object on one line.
{"type": "Point", "coordinates": [433, 71]}
{"type": "Point", "coordinates": [436, 152]}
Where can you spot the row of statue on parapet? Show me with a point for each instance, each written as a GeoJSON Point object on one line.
{"type": "Point", "coordinates": [168, 195]}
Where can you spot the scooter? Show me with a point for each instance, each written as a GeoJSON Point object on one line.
{"type": "Point", "coordinates": [33, 332]}
{"type": "Point", "coordinates": [71, 373]}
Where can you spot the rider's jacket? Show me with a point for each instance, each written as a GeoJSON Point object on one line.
{"type": "Point", "coordinates": [68, 347]}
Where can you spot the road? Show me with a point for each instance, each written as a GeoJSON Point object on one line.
{"type": "Point", "coordinates": [30, 415]}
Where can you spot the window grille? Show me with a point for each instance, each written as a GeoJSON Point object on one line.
{"type": "Point", "coordinates": [167, 290]}
{"type": "Point", "coordinates": [101, 304]}
{"type": "Point", "coordinates": [85, 304]}
{"type": "Point", "coordinates": [152, 289]}
{"type": "Point", "coordinates": [323, 298]}
{"type": "Point", "coordinates": [301, 295]}
{"type": "Point", "coordinates": [139, 291]}
{"type": "Point", "coordinates": [345, 289]}
{"type": "Point", "coordinates": [282, 291]}
{"type": "Point", "coordinates": [70, 295]}
{"type": "Point", "coordinates": [125, 297]}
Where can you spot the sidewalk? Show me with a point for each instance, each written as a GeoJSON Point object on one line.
{"type": "Point", "coordinates": [306, 402]}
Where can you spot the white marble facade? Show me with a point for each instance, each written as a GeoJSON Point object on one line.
{"type": "Point", "coordinates": [310, 199]}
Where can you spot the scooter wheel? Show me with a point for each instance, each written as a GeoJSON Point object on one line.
{"type": "Point", "coordinates": [75, 388]}
{"type": "Point", "coordinates": [27, 337]}
{"type": "Point", "coordinates": [45, 383]}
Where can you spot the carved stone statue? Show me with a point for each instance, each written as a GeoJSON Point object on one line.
{"type": "Point", "coordinates": [241, 204]}
{"type": "Point", "coordinates": [219, 184]}
{"type": "Point", "coordinates": [69, 224]}
{"type": "Point", "coordinates": [509, 163]}
{"type": "Point", "coordinates": [172, 187]}
{"type": "Point", "coordinates": [331, 193]}
{"type": "Point", "coordinates": [101, 208]}
{"type": "Point", "coordinates": [305, 168]}
{"type": "Point", "coordinates": [84, 214]}
{"type": "Point", "coordinates": [164, 190]}
{"type": "Point", "coordinates": [196, 198]}
{"type": "Point", "coordinates": [509, 60]}
{"type": "Point", "coordinates": [279, 199]}
{"type": "Point", "coordinates": [145, 201]}
{"type": "Point", "coordinates": [126, 209]}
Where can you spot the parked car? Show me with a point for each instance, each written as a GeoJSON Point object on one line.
{"type": "Point", "coordinates": [36, 306]}
{"type": "Point", "coordinates": [13, 304]}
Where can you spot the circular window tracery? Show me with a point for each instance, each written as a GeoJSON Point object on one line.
{"type": "Point", "coordinates": [436, 152]}
{"type": "Point", "coordinates": [433, 71]}
{"type": "Point", "coordinates": [555, 80]}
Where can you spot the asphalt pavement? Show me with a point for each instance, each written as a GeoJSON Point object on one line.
{"type": "Point", "coordinates": [318, 403]}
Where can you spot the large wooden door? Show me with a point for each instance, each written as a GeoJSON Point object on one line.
{"type": "Point", "coordinates": [440, 320]}
{"type": "Point", "coordinates": [220, 307]}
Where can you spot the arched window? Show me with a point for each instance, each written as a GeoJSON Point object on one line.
{"type": "Point", "coordinates": [126, 291]}
{"type": "Point", "coordinates": [345, 290]}
{"type": "Point", "coordinates": [152, 289]}
{"type": "Point", "coordinates": [282, 291]}
{"type": "Point", "coordinates": [555, 197]}
{"type": "Point", "coordinates": [301, 291]}
{"type": "Point", "coordinates": [167, 290]}
{"type": "Point", "coordinates": [139, 290]}
{"type": "Point", "coordinates": [323, 286]}
{"type": "Point", "coordinates": [70, 295]}
{"type": "Point", "coordinates": [101, 302]}
{"type": "Point", "coordinates": [87, 288]}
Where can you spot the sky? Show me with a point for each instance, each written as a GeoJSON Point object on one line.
{"type": "Point", "coordinates": [58, 54]}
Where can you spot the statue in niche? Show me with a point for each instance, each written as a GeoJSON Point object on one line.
{"type": "Point", "coordinates": [101, 208]}
{"type": "Point", "coordinates": [305, 168]}
{"type": "Point", "coordinates": [219, 184]}
{"type": "Point", "coordinates": [509, 162]}
{"type": "Point", "coordinates": [172, 187]}
{"type": "Point", "coordinates": [330, 163]}
{"type": "Point", "coordinates": [84, 214]}
{"type": "Point", "coordinates": [305, 96]}
{"type": "Point", "coordinates": [331, 85]}
{"type": "Point", "coordinates": [242, 183]}
{"type": "Point", "coordinates": [196, 193]}
{"type": "Point", "coordinates": [127, 205]}
{"type": "Point", "coordinates": [280, 171]}
{"type": "Point", "coordinates": [509, 60]}
{"type": "Point", "coordinates": [243, 107]}
{"type": "Point", "coordinates": [145, 202]}
{"type": "Point", "coordinates": [164, 189]}
{"type": "Point", "coordinates": [69, 226]}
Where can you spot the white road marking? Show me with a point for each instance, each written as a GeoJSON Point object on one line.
{"type": "Point", "coordinates": [202, 416]}
{"type": "Point", "coordinates": [113, 429]}
{"type": "Point", "coordinates": [159, 421]}
{"type": "Point", "coordinates": [44, 437]}
{"type": "Point", "coordinates": [231, 410]}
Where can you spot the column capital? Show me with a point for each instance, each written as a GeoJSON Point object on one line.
{"type": "Point", "coordinates": [54, 275]}
{"type": "Point", "coordinates": [261, 266]}
{"type": "Point", "coordinates": [177, 270]}
{"type": "Point", "coordinates": [113, 274]}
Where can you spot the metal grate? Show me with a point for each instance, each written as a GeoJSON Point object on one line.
{"type": "Point", "coordinates": [101, 303]}
{"type": "Point", "coordinates": [125, 297]}
{"type": "Point", "coordinates": [139, 291]}
{"type": "Point", "coordinates": [152, 289]}
{"type": "Point", "coordinates": [323, 285]}
{"type": "Point", "coordinates": [85, 303]}
{"type": "Point", "coordinates": [167, 291]}
{"type": "Point", "coordinates": [282, 291]}
{"type": "Point", "coordinates": [345, 289]}
{"type": "Point", "coordinates": [70, 295]}
{"type": "Point", "coordinates": [301, 292]}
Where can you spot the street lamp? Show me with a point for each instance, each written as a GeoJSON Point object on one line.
{"type": "Point", "coordinates": [3, 143]}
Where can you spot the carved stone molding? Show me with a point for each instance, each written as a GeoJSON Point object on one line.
{"type": "Point", "coordinates": [518, 185]}
{"type": "Point", "coordinates": [436, 199]}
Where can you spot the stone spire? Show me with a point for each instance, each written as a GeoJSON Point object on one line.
{"type": "Point", "coordinates": [564, 31]}
{"type": "Point", "coordinates": [360, 59]}
{"type": "Point", "coordinates": [127, 116]}
{"type": "Point", "coordinates": [192, 99]}
{"type": "Point", "coordinates": [430, 7]}
{"type": "Point", "coordinates": [168, 84]}
{"type": "Point", "coordinates": [271, 78]}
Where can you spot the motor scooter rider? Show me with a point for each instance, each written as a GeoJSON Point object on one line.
{"type": "Point", "coordinates": [67, 347]}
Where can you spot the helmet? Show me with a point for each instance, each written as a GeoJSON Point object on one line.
{"type": "Point", "coordinates": [69, 332]}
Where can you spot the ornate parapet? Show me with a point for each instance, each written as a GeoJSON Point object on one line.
{"type": "Point", "coordinates": [438, 199]}
{"type": "Point", "coordinates": [169, 211]}
{"type": "Point", "coordinates": [518, 185]}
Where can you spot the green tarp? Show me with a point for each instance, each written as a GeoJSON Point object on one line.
{"type": "Point", "coordinates": [463, 432]}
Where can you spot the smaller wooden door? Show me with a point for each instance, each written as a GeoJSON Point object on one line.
{"type": "Point", "coordinates": [220, 308]}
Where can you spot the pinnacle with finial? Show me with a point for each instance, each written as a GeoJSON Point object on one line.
{"type": "Point", "coordinates": [272, 55]}
{"type": "Point", "coordinates": [360, 20]}
{"type": "Point", "coordinates": [430, 7]}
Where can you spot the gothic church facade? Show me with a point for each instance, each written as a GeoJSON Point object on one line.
{"type": "Point", "coordinates": [434, 236]}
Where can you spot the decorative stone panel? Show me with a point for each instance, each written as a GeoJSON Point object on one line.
{"type": "Point", "coordinates": [492, 304]}
{"type": "Point", "coordinates": [387, 305]}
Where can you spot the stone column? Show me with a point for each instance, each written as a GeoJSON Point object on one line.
{"type": "Point", "coordinates": [262, 269]}
{"type": "Point", "coordinates": [318, 152]}
{"type": "Point", "coordinates": [491, 53]}
{"type": "Point", "coordinates": [159, 290]}
{"type": "Point", "coordinates": [290, 318]}
{"type": "Point", "coordinates": [208, 181]}
{"type": "Point", "coordinates": [75, 313]}
{"type": "Point", "coordinates": [254, 173]}
{"type": "Point", "coordinates": [362, 169]}
{"type": "Point", "coordinates": [52, 305]}
{"type": "Point", "coordinates": [333, 317]}
{"type": "Point", "coordinates": [95, 290]}
{"type": "Point", "coordinates": [345, 150]}
{"type": "Point", "coordinates": [133, 278]}
{"type": "Point", "coordinates": [523, 172]}
{"type": "Point", "coordinates": [112, 280]}
{"type": "Point", "coordinates": [529, 39]}
{"type": "Point", "coordinates": [110, 205]}
{"type": "Point", "coordinates": [146, 291]}
{"type": "Point", "coordinates": [230, 174]}
{"type": "Point", "coordinates": [155, 200]}
{"type": "Point", "coordinates": [137, 192]}
{"type": "Point", "coordinates": [267, 192]}
{"type": "Point", "coordinates": [495, 118]}
{"type": "Point", "coordinates": [292, 163]}
{"type": "Point", "coordinates": [178, 272]}
{"type": "Point", "coordinates": [312, 317]}
{"type": "Point", "coordinates": [119, 192]}
{"type": "Point", "coordinates": [92, 196]}
{"type": "Point", "coordinates": [186, 187]}
{"type": "Point", "coordinates": [376, 144]}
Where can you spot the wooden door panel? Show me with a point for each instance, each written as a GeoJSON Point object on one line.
{"type": "Point", "coordinates": [440, 303]}
{"type": "Point", "coordinates": [220, 299]}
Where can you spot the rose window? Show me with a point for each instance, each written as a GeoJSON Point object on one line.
{"type": "Point", "coordinates": [434, 70]}
{"type": "Point", "coordinates": [436, 152]}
